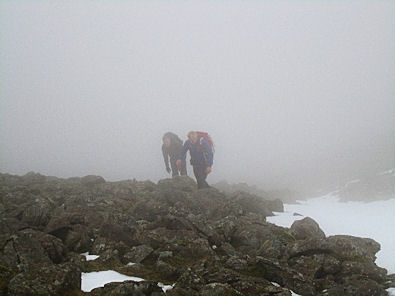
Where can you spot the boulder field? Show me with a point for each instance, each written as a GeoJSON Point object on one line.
{"type": "Point", "coordinates": [203, 242]}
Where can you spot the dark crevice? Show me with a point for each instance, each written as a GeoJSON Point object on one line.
{"type": "Point", "coordinates": [18, 258]}
{"type": "Point", "coordinates": [61, 232]}
{"type": "Point", "coordinates": [311, 253]}
{"type": "Point", "coordinates": [320, 273]}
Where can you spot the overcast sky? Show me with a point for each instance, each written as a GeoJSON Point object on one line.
{"type": "Point", "coordinates": [292, 92]}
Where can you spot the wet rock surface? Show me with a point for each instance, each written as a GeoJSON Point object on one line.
{"type": "Point", "coordinates": [203, 242]}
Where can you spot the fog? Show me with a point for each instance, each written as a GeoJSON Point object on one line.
{"type": "Point", "coordinates": [293, 93]}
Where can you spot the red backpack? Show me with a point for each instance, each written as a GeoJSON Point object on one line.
{"type": "Point", "coordinates": [206, 136]}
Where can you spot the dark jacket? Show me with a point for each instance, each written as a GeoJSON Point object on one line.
{"type": "Point", "coordinates": [173, 151]}
{"type": "Point", "coordinates": [201, 152]}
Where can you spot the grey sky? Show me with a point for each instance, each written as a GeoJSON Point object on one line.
{"type": "Point", "coordinates": [292, 92]}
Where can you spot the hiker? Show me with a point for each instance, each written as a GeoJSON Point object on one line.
{"type": "Point", "coordinates": [171, 148]}
{"type": "Point", "coordinates": [200, 148]}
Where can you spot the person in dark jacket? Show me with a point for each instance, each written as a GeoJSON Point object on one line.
{"type": "Point", "coordinates": [201, 157]}
{"type": "Point", "coordinates": [171, 148]}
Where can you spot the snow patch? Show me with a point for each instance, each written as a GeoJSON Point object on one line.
{"type": "Point", "coordinates": [351, 182]}
{"type": "Point", "coordinates": [278, 285]}
{"type": "Point", "coordinates": [389, 172]}
{"type": "Point", "coordinates": [164, 287]}
{"type": "Point", "coordinates": [92, 280]}
{"type": "Point", "coordinates": [90, 257]}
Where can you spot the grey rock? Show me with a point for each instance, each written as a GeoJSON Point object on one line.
{"type": "Point", "coordinates": [128, 288]}
{"type": "Point", "coordinates": [46, 280]}
{"type": "Point", "coordinates": [218, 289]}
{"type": "Point", "coordinates": [305, 229]}
{"type": "Point", "coordinates": [139, 253]}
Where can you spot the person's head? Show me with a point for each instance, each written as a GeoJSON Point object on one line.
{"type": "Point", "coordinates": [193, 136]}
{"type": "Point", "coordinates": [166, 141]}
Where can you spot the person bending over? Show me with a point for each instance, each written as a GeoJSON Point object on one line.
{"type": "Point", "coordinates": [171, 149]}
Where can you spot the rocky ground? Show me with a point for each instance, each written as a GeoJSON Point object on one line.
{"type": "Point", "coordinates": [204, 242]}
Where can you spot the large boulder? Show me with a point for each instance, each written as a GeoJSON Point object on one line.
{"type": "Point", "coordinates": [345, 247]}
{"type": "Point", "coordinates": [138, 253]}
{"type": "Point", "coordinates": [351, 247]}
{"type": "Point", "coordinates": [305, 229]}
{"type": "Point", "coordinates": [251, 203]}
{"type": "Point", "coordinates": [37, 213]}
{"type": "Point", "coordinates": [357, 286]}
{"type": "Point", "coordinates": [23, 251]}
{"type": "Point", "coordinates": [181, 183]}
{"type": "Point", "coordinates": [91, 180]}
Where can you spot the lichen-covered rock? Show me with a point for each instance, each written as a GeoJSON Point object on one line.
{"type": "Point", "coordinates": [138, 253]}
{"type": "Point", "coordinates": [38, 213]}
{"type": "Point", "coordinates": [275, 205]}
{"type": "Point", "coordinates": [23, 251]}
{"type": "Point", "coordinates": [178, 291]}
{"type": "Point", "coordinates": [260, 238]}
{"type": "Point", "coordinates": [218, 289]}
{"type": "Point", "coordinates": [254, 204]}
{"type": "Point", "coordinates": [92, 180]}
{"type": "Point", "coordinates": [352, 247]}
{"type": "Point", "coordinates": [368, 270]}
{"type": "Point", "coordinates": [278, 272]}
{"type": "Point", "coordinates": [6, 275]}
{"type": "Point", "coordinates": [129, 288]}
{"type": "Point", "coordinates": [357, 286]}
{"type": "Point", "coordinates": [53, 247]}
{"type": "Point", "coordinates": [305, 229]}
{"type": "Point", "coordinates": [182, 183]}
{"type": "Point", "coordinates": [345, 247]}
{"type": "Point", "coordinates": [46, 280]}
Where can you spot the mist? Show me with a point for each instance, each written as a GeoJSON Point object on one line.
{"type": "Point", "coordinates": [294, 94]}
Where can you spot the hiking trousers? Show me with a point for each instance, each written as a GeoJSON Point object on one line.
{"type": "Point", "coordinates": [174, 169]}
{"type": "Point", "coordinates": [200, 174]}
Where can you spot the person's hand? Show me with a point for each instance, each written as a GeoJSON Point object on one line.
{"type": "Point", "coordinates": [168, 170]}
{"type": "Point", "coordinates": [208, 170]}
{"type": "Point", "coordinates": [178, 164]}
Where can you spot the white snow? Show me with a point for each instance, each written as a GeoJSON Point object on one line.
{"type": "Point", "coordinates": [391, 291]}
{"type": "Point", "coordinates": [278, 285]}
{"type": "Point", "coordinates": [388, 172]}
{"type": "Point", "coordinates": [351, 182]}
{"type": "Point", "coordinates": [164, 287]}
{"type": "Point", "coordinates": [92, 280]}
{"type": "Point", "coordinates": [375, 220]}
{"type": "Point", "coordinates": [90, 257]}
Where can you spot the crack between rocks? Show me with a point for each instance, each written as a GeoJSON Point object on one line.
{"type": "Point", "coordinates": [311, 253]}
